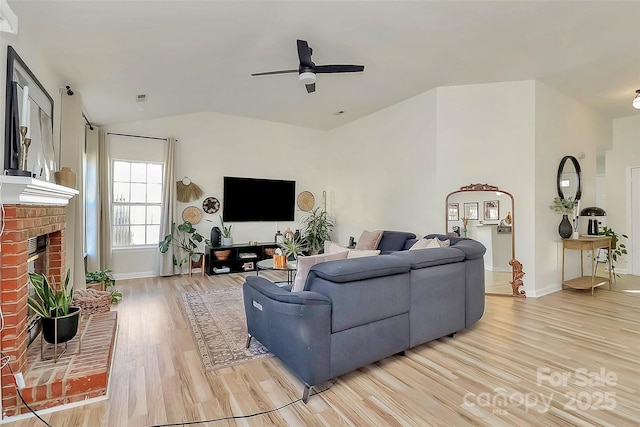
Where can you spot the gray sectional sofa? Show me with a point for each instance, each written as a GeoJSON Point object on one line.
{"type": "Point", "coordinates": [354, 312]}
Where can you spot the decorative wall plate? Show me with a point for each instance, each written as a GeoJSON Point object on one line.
{"type": "Point", "coordinates": [306, 201]}
{"type": "Point", "coordinates": [211, 205]}
{"type": "Point", "coordinates": [192, 214]}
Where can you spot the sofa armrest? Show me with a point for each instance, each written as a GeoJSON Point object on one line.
{"type": "Point", "coordinates": [276, 293]}
{"type": "Point", "coordinates": [471, 248]}
{"type": "Point", "coordinates": [294, 326]}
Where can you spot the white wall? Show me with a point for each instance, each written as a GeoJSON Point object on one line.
{"type": "Point", "coordinates": [382, 173]}
{"type": "Point", "coordinates": [486, 135]}
{"type": "Point", "coordinates": [624, 154]}
{"type": "Point", "coordinates": [563, 127]}
{"type": "Point", "coordinates": [212, 145]}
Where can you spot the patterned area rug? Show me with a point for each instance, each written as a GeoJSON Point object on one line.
{"type": "Point", "coordinates": [219, 328]}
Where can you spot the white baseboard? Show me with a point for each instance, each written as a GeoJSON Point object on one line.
{"type": "Point", "coordinates": [537, 293]}
{"type": "Point", "coordinates": [497, 269]}
{"type": "Point", "coordinates": [137, 275]}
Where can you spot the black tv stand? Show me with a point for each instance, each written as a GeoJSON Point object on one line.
{"type": "Point", "coordinates": [243, 257]}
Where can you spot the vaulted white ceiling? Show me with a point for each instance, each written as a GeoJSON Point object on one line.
{"type": "Point", "coordinates": [190, 56]}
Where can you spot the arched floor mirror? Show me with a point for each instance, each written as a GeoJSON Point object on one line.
{"type": "Point", "coordinates": [486, 213]}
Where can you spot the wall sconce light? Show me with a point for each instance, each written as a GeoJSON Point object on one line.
{"type": "Point", "coordinates": [636, 100]}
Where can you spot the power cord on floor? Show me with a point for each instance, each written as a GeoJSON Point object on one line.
{"type": "Point", "coordinates": [237, 417]}
{"type": "Point", "coordinates": [4, 356]}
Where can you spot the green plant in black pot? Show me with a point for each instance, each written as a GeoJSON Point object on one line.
{"type": "Point", "coordinates": [53, 305]}
{"type": "Point", "coordinates": [318, 226]}
{"type": "Point", "coordinates": [106, 277]}
{"type": "Point", "coordinates": [185, 239]}
{"type": "Point", "coordinates": [618, 249]}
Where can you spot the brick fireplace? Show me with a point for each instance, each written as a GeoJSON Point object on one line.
{"type": "Point", "coordinates": [22, 222]}
{"type": "Point", "coordinates": [31, 208]}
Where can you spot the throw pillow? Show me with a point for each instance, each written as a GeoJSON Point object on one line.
{"type": "Point", "coordinates": [306, 262]}
{"type": "Point", "coordinates": [430, 244]}
{"type": "Point", "coordinates": [333, 248]}
{"type": "Point", "coordinates": [360, 253]}
{"type": "Point", "coordinates": [369, 239]}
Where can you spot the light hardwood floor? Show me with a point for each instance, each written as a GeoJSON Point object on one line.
{"type": "Point", "coordinates": [511, 356]}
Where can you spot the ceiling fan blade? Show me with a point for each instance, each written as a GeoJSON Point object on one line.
{"type": "Point", "coordinates": [268, 73]}
{"type": "Point", "coordinates": [311, 87]}
{"type": "Point", "coordinates": [304, 54]}
{"type": "Point", "coordinates": [338, 68]}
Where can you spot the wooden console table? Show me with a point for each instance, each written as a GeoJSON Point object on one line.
{"type": "Point", "coordinates": [587, 243]}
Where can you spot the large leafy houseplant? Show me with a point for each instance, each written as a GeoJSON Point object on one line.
{"type": "Point", "coordinates": [186, 239]}
{"type": "Point", "coordinates": [318, 226]}
{"type": "Point", "coordinates": [49, 301]}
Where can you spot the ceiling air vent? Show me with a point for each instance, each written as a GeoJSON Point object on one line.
{"type": "Point", "coordinates": [141, 97]}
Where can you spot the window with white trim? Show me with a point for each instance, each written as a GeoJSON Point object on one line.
{"type": "Point", "coordinates": [136, 206]}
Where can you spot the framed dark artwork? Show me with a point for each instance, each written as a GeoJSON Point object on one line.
{"type": "Point", "coordinates": [453, 211]}
{"type": "Point", "coordinates": [491, 210]}
{"type": "Point", "coordinates": [28, 104]}
{"type": "Point", "coordinates": [471, 210]}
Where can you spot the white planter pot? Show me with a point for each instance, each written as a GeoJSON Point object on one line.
{"type": "Point", "coordinates": [227, 241]}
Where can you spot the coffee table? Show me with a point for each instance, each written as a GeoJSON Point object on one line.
{"type": "Point", "coordinates": [267, 264]}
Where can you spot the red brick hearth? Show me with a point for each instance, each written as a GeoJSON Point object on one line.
{"type": "Point", "coordinates": [76, 376]}
{"type": "Point", "coordinates": [84, 375]}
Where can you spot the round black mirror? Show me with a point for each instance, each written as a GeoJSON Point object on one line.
{"type": "Point", "coordinates": [569, 179]}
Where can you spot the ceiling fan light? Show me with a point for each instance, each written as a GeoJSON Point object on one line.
{"type": "Point", "coordinates": [636, 100]}
{"type": "Point", "coordinates": [308, 77]}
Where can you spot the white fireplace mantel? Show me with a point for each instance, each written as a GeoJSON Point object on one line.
{"type": "Point", "coordinates": [22, 190]}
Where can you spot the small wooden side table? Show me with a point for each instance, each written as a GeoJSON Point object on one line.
{"type": "Point", "coordinates": [202, 264]}
{"type": "Point", "coordinates": [587, 243]}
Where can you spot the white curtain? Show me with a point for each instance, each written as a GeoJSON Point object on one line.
{"type": "Point", "coordinates": [104, 200]}
{"type": "Point", "coordinates": [165, 265]}
{"type": "Point", "coordinates": [73, 136]}
{"type": "Point", "coordinates": [92, 199]}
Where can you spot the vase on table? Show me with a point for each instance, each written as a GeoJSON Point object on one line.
{"type": "Point", "coordinates": [565, 229]}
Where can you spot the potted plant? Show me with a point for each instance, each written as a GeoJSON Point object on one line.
{"type": "Point", "coordinates": [103, 280]}
{"type": "Point", "coordinates": [185, 238]}
{"type": "Point", "coordinates": [53, 305]}
{"type": "Point", "coordinates": [292, 247]}
{"type": "Point", "coordinates": [618, 249]}
{"type": "Point", "coordinates": [565, 207]}
{"type": "Point", "coordinates": [226, 233]}
{"type": "Point", "coordinates": [318, 226]}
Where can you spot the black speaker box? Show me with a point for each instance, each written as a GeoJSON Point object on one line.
{"type": "Point", "coordinates": [216, 236]}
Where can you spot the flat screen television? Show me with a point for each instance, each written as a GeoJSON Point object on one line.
{"type": "Point", "coordinates": [253, 199]}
